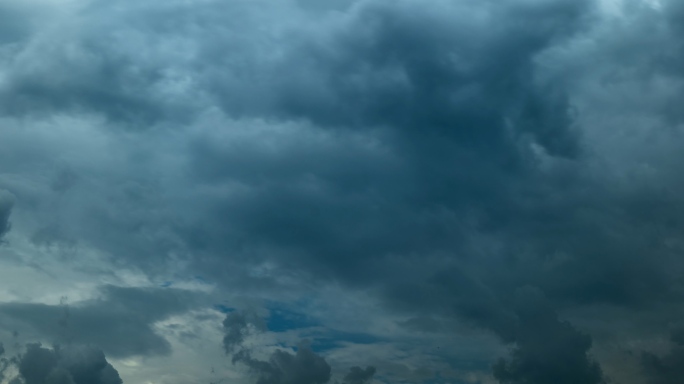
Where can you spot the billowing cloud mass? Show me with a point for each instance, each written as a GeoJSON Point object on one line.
{"type": "Point", "coordinates": [283, 367]}
{"type": "Point", "coordinates": [286, 192]}
{"type": "Point", "coordinates": [73, 365]}
{"type": "Point", "coordinates": [547, 350]}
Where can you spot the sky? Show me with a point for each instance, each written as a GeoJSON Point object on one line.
{"type": "Point", "coordinates": [341, 191]}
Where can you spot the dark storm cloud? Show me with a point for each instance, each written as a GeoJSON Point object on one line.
{"type": "Point", "coordinates": [303, 367]}
{"type": "Point", "coordinates": [473, 146]}
{"type": "Point", "coordinates": [457, 129]}
{"type": "Point", "coordinates": [667, 369]}
{"type": "Point", "coordinates": [69, 365]}
{"type": "Point", "coordinates": [107, 83]}
{"type": "Point", "coordinates": [453, 292]}
{"type": "Point", "coordinates": [426, 153]}
{"type": "Point", "coordinates": [433, 125]}
{"type": "Point", "coordinates": [467, 166]}
{"type": "Point", "coordinates": [6, 204]}
{"type": "Point", "coordinates": [456, 121]}
{"type": "Point", "coordinates": [282, 367]}
{"type": "Point", "coordinates": [414, 71]}
{"type": "Point", "coordinates": [422, 134]}
{"type": "Point", "coordinates": [120, 322]}
{"type": "Point", "coordinates": [547, 350]}
{"type": "Point", "coordinates": [358, 375]}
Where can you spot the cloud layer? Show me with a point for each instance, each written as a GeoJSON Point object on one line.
{"type": "Point", "coordinates": [68, 366]}
{"type": "Point", "coordinates": [507, 169]}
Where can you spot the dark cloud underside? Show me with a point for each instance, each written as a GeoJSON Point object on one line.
{"type": "Point", "coordinates": [73, 365]}
{"type": "Point", "coordinates": [121, 322]}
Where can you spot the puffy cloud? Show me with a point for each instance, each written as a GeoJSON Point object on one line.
{"type": "Point", "coordinates": [390, 116]}
{"type": "Point", "coordinates": [69, 365]}
{"type": "Point", "coordinates": [283, 367]}
{"type": "Point", "coordinates": [305, 367]}
{"type": "Point", "coordinates": [452, 124]}
{"type": "Point", "coordinates": [435, 155]}
{"type": "Point", "coordinates": [547, 350]}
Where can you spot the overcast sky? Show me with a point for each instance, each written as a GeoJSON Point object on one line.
{"type": "Point", "coordinates": [341, 191]}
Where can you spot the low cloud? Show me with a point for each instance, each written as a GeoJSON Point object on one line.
{"type": "Point", "coordinates": [667, 368]}
{"type": "Point", "coordinates": [68, 365]}
{"type": "Point", "coordinates": [547, 349]}
{"type": "Point", "coordinates": [302, 367]}
{"type": "Point", "coordinates": [358, 375]}
{"type": "Point", "coordinates": [434, 155]}
{"type": "Point", "coordinates": [120, 322]}
{"type": "Point", "coordinates": [6, 205]}
{"type": "Point", "coordinates": [282, 367]}
{"type": "Point", "coordinates": [237, 325]}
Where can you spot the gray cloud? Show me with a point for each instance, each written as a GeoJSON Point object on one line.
{"type": "Point", "coordinates": [303, 367]}
{"type": "Point", "coordinates": [547, 350]}
{"type": "Point", "coordinates": [282, 367]}
{"type": "Point", "coordinates": [358, 375]}
{"type": "Point", "coordinates": [70, 365]}
{"type": "Point", "coordinates": [450, 124]}
{"type": "Point", "coordinates": [437, 156]}
{"type": "Point", "coordinates": [455, 125]}
{"type": "Point", "coordinates": [120, 322]}
{"type": "Point", "coordinates": [665, 369]}
{"type": "Point", "coordinates": [16, 20]}
{"type": "Point", "coordinates": [236, 326]}
{"type": "Point", "coordinates": [6, 204]}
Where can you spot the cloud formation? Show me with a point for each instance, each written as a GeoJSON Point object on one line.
{"type": "Point", "coordinates": [236, 326]}
{"type": "Point", "coordinates": [6, 204]}
{"type": "Point", "coordinates": [433, 158]}
{"type": "Point", "coordinates": [547, 350]}
{"type": "Point", "coordinates": [283, 367]}
{"type": "Point", "coordinates": [358, 375]}
{"type": "Point", "coordinates": [70, 365]}
{"type": "Point", "coordinates": [665, 369]}
{"type": "Point", "coordinates": [120, 321]}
